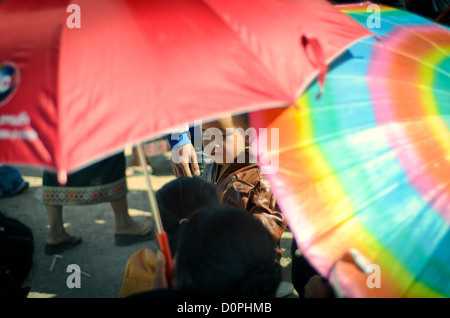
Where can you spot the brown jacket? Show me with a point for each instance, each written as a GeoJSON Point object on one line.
{"type": "Point", "coordinates": [242, 185]}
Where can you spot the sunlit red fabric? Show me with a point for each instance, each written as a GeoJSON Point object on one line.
{"type": "Point", "coordinates": [137, 69]}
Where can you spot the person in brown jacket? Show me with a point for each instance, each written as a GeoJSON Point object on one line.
{"type": "Point", "coordinates": [236, 177]}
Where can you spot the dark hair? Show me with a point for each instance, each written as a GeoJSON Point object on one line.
{"type": "Point", "coordinates": [241, 120]}
{"type": "Point", "coordinates": [16, 256]}
{"type": "Point", "coordinates": [227, 252]}
{"type": "Point", "coordinates": [179, 199]}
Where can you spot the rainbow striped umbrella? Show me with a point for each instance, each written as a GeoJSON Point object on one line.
{"type": "Point", "coordinates": [363, 172]}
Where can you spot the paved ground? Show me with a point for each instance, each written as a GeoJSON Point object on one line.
{"type": "Point", "coordinates": [97, 256]}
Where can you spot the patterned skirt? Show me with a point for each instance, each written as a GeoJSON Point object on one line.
{"type": "Point", "coordinates": [101, 182]}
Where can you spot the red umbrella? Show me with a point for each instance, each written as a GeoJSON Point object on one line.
{"type": "Point", "coordinates": [136, 69]}
{"type": "Point", "coordinates": [80, 82]}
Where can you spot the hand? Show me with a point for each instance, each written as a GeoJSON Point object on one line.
{"type": "Point", "coordinates": [160, 280]}
{"type": "Point", "coordinates": [181, 157]}
{"type": "Point", "coordinates": [317, 288]}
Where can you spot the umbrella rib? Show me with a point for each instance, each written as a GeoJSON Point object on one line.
{"type": "Point", "coordinates": [360, 129]}
{"type": "Point", "coordinates": [312, 142]}
{"type": "Point", "coordinates": [433, 199]}
{"type": "Point", "coordinates": [381, 45]}
{"type": "Point", "coordinates": [359, 209]}
{"type": "Point", "coordinates": [344, 105]}
{"type": "Point", "coordinates": [388, 80]}
{"type": "Point", "coordinates": [399, 25]}
{"type": "Point", "coordinates": [238, 34]}
{"type": "Point", "coordinates": [415, 33]}
{"type": "Point", "coordinates": [414, 58]}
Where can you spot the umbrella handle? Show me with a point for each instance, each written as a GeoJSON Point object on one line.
{"type": "Point", "coordinates": [161, 235]}
{"type": "Point", "coordinates": [165, 249]}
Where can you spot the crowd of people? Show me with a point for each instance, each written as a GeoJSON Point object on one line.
{"type": "Point", "coordinates": [224, 226]}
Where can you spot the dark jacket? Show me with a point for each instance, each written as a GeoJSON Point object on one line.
{"type": "Point", "coordinates": [242, 185]}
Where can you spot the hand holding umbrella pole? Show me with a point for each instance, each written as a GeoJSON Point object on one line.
{"type": "Point", "coordinates": [160, 233]}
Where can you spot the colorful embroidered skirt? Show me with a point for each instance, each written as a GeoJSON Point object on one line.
{"type": "Point", "coordinates": [101, 182]}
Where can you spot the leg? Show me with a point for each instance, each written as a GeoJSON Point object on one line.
{"type": "Point", "coordinates": [58, 240]}
{"type": "Point", "coordinates": [135, 165]}
{"type": "Point", "coordinates": [136, 162]}
{"type": "Point", "coordinates": [124, 223]}
{"type": "Point", "coordinates": [127, 230]}
{"type": "Point", "coordinates": [57, 233]}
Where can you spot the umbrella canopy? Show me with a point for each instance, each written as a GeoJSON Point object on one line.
{"type": "Point", "coordinates": [363, 176]}
{"type": "Point", "coordinates": [79, 82]}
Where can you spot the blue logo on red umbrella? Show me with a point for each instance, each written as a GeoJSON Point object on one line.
{"type": "Point", "coordinates": [9, 80]}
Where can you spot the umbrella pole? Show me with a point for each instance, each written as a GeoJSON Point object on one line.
{"type": "Point", "coordinates": [160, 233]}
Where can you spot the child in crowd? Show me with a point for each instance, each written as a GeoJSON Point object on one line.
{"type": "Point", "coordinates": [221, 252]}
{"type": "Point", "coordinates": [177, 201]}
{"type": "Point", "coordinates": [237, 179]}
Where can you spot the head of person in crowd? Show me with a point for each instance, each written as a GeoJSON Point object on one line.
{"type": "Point", "coordinates": [16, 257]}
{"type": "Point", "coordinates": [430, 8]}
{"type": "Point", "coordinates": [179, 199]}
{"type": "Point", "coordinates": [227, 138]}
{"type": "Point", "coordinates": [226, 252]}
